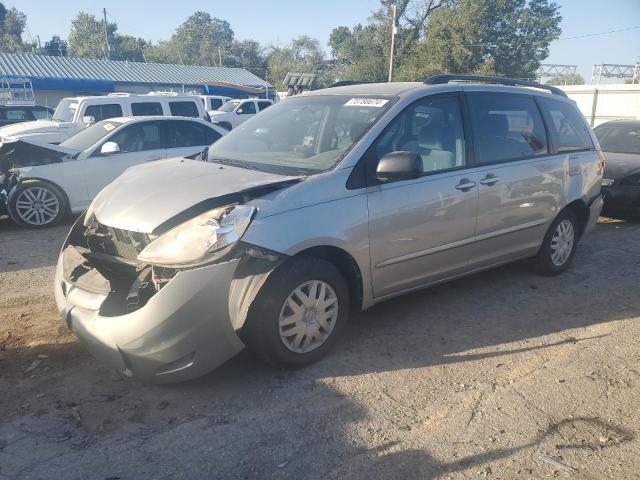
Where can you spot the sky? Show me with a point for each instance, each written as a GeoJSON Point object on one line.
{"type": "Point", "coordinates": [276, 23]}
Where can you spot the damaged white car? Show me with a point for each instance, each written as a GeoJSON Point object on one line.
{"type": "Point", "coordinates": [324, 204]}
{"type": "Point", "coordinates": [40, 183]}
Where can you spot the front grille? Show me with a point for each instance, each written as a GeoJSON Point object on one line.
{"type": "Point", "coordinates": [117, 242]}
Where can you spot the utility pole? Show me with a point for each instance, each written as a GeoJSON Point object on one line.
{"type": "Point", "coordinates": [393, 40]}
{"type": "Point", "coordinates": [106, 34]}
{"type": "Point", "coordinates": [219, 55]}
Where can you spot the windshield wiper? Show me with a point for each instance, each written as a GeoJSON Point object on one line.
{"type": "Point", "coordinates": [237, 163]}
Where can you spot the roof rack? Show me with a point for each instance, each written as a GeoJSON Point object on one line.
{"type": "Point", "coordinates": [446, 78]}
{"type": "Point", "coordinates": [346, 83]}
{"type": "Point", "coordinates": [16, 91]}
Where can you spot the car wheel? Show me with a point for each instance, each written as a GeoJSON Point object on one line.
{"type": "Point", "coordinates": [559, 244]}
{"type": "Point", "coordinates": [299, 313]}
{"type": "Point", "coordinates": [37, 204]}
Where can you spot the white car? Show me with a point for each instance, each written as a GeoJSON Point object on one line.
{"type": "Point", "coordinates": [40, 182]}
{"type": "Point", "coordinates": [213, 102]}
{"type": "Point", "coordinates": [234, 112]}
{"type": "Point", "coordinates": [73, 114]}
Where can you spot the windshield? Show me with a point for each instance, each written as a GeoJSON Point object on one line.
{"type": "Point", "coordinates": [66, 110]}
{"type": "Point", "coordinates": [88, 137]}
{"type": "Point", "coordinates": [302, 135]}
{"type": "Point", "coordinates": [229, 106]}
{"type": "Point", "coordinates": [619, 138]}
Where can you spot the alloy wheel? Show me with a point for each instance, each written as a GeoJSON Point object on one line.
{"type": "Point", "coordinates": [37, 206]}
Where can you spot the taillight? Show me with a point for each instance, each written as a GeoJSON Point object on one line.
{"type": "Point", "coordinates": [602, 162]}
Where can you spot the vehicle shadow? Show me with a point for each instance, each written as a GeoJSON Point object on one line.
{"type": "Point", "coordinates": [258, 422]}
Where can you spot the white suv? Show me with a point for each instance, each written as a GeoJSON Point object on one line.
{"type": "Point", "coordinates": [76, 113]}
{"type": "Point", "coordinates": [214, 102]}
{"type": "Point", "coordinates": [234, 112]}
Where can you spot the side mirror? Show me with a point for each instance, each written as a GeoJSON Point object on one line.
{"type": "Point", "coordinates": [396, 166]}
{"type": "Point", "coordinates": [88, 120]}
{"type": "Point", "coordinates": [109, 148]}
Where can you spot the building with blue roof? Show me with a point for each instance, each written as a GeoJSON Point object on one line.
{"type": "Point", "coordinates": [54, 78]}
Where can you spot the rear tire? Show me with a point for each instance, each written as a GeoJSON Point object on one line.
{"type": "Point", "coordinates": [37, 204]}
{"type": "Point", "coordinates": [299, 314]}
{"type": "Point", "coordinates": [559, 244]}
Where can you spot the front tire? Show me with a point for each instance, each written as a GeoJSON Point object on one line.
{"type": "Point", "coordinates": [37, 204]}
{"type": "Point", "coordinates": [299, 314]}
{"type": "Point", "coordinates": [559, 244]}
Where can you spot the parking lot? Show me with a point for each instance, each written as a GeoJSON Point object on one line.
{"type": "Point", "coordinates": [478, 378]}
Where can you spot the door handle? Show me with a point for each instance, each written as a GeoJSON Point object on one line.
{"type": "Point", "coordinates": [465, 185]}
{"type": "Point", "coordinates": [490, 179]}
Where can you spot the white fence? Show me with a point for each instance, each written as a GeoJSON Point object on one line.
{"type": "Point", "coordinates": [601, 103]}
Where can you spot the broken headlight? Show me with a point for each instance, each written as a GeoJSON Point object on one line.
{"type": "Point", "coordinates": [200, 239]}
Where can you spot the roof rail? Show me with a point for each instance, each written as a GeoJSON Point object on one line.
{"type": "Point", "coordinates": [447, 77]}
{"type": "Point", "coordinates": [346, 83]}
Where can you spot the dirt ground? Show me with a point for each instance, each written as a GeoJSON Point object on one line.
{"type": "Point", "coordinates": [479, 378]}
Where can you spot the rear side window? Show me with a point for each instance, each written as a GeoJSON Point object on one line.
{"type": "Point", "coordinates": [138, 137]}
{"type": "Point", "coordinates": [102, 112]}
{"type": "Point", "coordinates": [507, 127]}
{"type": "Point", "coordinates": [567, 125]}
{"type": "Point", "coordinates": [190, 134]}
{"type": "Point", "coordinates": [215, 103]}
{"type": "Point", "coordinates": [184, 109]}
{"type": "Point", "coordinates": [246, 108]}
{"type": "Point", "coordinates": [263, 105]}
{"type": "Point", "coordinates": [146, 108]}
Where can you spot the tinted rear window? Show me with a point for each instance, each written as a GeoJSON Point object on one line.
{"type": "Point", "coordinates": [146, 108]}
{"type": "Point", "coordinates": [567, 125]}
{"type": "Point", "coordinates": [102, 112]}
{"type": "Point", "coordinates": [507, 127]}
{"type": "Point", "coordinates": [619, 138]}
{"type": "Point", "coordinates": [184, 109]}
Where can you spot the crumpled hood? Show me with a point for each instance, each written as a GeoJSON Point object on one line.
{"type": "Point", "coordinates": [27, 153]}
{"type": "Point", "coordinates": [26, 128]}
{"type": "Point", "coordinates": [148, 195]}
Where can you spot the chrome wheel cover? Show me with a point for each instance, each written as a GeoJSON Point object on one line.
{"type": "Point", "coordinates": [562, 243]}
{"type": "Point", "coordinates": [37, 206]}
{"type": "Point", "coordinates": [308, 316]}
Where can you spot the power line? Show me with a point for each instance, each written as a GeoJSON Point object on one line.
{"type": "Point", "coordinates": [601, 33]}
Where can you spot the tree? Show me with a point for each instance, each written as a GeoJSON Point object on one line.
{"type": "Point", "coordinates": [56, 47]}
{"type": "Point", "coordinates": [304, 55]}
{"type": "Point", "coordinates": [362, 53]}
{"type": "Point", "coordinates": [199, 40]}
{"type": "Point", "coordinates": [502, 37]}
{"type": "Point", "coordinates": [87, 36]}
{"type": "Point", "coordinates": [129, 48]}
{"type": "Point", "coordinates": [12, 25]}
{"type": "Point", "coordinates": [569, 79]}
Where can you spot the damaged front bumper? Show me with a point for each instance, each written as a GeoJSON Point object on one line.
{"type": "Point", "coordinates": [181, 331]}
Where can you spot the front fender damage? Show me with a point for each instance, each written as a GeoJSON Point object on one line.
{"type": "Point", "coordinates": [256, 264]}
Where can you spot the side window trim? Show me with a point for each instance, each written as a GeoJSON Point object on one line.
{"type": "Point", "coordinates": [366, 162]}
{"type": "Point", "coordinates": [474, 134]}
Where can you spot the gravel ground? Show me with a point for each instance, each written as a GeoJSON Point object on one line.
{"type": "Point", "coordinates": [478, 378]}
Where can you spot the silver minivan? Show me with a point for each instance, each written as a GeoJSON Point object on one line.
{"type": "Point", "coordinates": [323, 205]}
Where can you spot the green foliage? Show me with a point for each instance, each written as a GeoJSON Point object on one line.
{"type": "Point", "coordinates": [87, 36]}
{"type": "Point", "coordinates": [200, 40]}
{"type": "Point", "coordinates": [503, 37]}
{"type": "Point", "coordinates": [12, 24]}
{"type": "Point", "coordinates": [303, 55]}
{"type": "Point", "coordinates": [571, 79]}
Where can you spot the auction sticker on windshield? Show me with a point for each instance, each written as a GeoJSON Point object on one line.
{"type": "Point", "coordinates": [366, 102]}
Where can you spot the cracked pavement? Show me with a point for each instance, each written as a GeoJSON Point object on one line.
{"type": "Point", "coordinates": [473, 379]}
